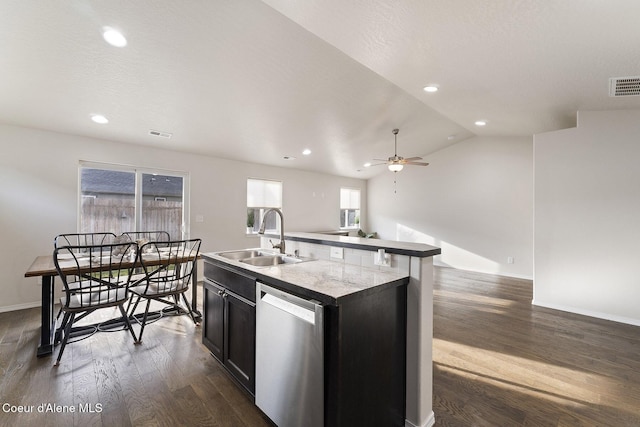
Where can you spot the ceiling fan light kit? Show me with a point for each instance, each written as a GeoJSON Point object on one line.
{"type": "Point", "coordinates": [396, 163]}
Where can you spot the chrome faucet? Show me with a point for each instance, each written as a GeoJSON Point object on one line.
{"type": "Point", "coordinates": [264, 224]}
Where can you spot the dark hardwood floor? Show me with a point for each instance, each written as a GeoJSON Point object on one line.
{"type": "Point", "coordinates": [498, 361]}
{"type": "Point", "coordinates": [168, 380]}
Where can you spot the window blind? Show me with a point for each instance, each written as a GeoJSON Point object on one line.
{"type": "Point", "coordinates": [264, 194]}
{"type": "Point", "coordinates": [349, 198]}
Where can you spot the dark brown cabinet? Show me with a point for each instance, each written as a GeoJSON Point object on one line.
{"type": "Point", "coordinates": [213, 325]}
{"type": "Point", "coordinates": [229, 322]}
{"type": "Point", "coordinates": [365, 353]}
{"type": "Point", "coordinates": [364, 343]}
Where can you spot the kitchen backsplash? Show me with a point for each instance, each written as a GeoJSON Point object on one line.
{"type": "Point", "coordinates": [350, 256]}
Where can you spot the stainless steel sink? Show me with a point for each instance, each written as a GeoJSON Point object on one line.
{"type": "Point", "coordinates": [261, 257]}
{"type": "Point", "coordinates": [265, 260]}
{"type": "Point", "coordinates": [269, 260]}
{"type": "Point", "coordinates": [243, 254]}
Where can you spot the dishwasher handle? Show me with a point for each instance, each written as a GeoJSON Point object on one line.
{"type": "Point", "coordinates": [299, 307]}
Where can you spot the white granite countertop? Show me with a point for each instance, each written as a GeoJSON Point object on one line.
{"type": "Point", "coordinates": [327, 281]}
{"type": "Point", "coordinates": [419, 250]}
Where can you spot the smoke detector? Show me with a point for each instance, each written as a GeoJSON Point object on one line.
{"type": "Point", "coordinates": [159, 133]}
{"type": "Point", "coordinates": [624, 86]}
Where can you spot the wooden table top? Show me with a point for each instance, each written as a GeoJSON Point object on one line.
{"type": "Point", "coordinates": [43, 265]}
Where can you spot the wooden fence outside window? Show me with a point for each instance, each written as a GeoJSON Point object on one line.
{"type": "Point", "coordinates": [118, 216]}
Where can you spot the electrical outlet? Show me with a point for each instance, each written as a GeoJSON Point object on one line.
{"type": "Point", "coordinates": [337, 253]}
{"type": "Point", "coordinates": [510, 260]}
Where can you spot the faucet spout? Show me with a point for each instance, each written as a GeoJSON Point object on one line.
{"type": "Point", "coordinates": [264, 224]}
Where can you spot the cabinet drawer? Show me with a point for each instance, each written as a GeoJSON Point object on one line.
{"type": "Point", "coordinates": [236, 282]}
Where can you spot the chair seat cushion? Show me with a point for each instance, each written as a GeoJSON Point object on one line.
{"type": "Point", "coordinates": [85, 284]}
{"type": "Point", "coordinates": [91, 300]}
{"type": "Point", "coordinates": [160, 288]}
{"type": "Point", "coordinates": [77, 285]}
{"type": "Point", "coordinates": [138, 277]}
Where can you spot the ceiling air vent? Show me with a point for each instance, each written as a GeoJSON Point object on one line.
{"type": "Point", "coordinates": [159, 133]}
{"type": "Point", "coordinates": [624, 86]}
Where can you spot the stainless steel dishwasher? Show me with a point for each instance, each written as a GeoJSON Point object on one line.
{"type": "Point", "coordinates": [289, 358]}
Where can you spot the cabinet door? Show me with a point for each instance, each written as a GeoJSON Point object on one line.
{"type": "Point", "coordinates": [240, 340]}
{"type": "Point", "coordinates": [213, 326]}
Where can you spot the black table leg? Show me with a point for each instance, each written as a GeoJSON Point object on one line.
{"type": "Point", "coordinates": [47, 321]}
{"type": "Point", "coordinates": [194, 293]}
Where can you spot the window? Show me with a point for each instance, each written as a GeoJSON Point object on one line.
{"type": "Point", "coordinates": [119, 199]}
{"type": "Point", "coordinates": [349, 208]}
{"type": "Point", "coordinates": [262, 195]}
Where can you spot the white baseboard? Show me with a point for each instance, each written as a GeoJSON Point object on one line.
{"type": "Point", "coordinates": [596, 314]}
{"type": "Point", "coordinates": [19, 306]}
{"type": "Point", "coordinates": [491, 273]}
{"type": "Point", "coordinates": [515, 276]}
{"type": "Point", "coordinates": [509, 275]}
{"type": "Point", "coordinates": [429, 422]}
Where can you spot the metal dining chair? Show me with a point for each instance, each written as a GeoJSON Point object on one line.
{"type": "Point", "coordinates": [147, 236]}
{"type": "Point", "coordinates": [94, 277]}
{"type": "Point", "coordinates": [84, 239]}
{"type": "Point", "coordinates": [81, 242]}
{"type": "Point", "coordinates": [168, 269]}
{"type": "Point", "coordinates": [142, 237]}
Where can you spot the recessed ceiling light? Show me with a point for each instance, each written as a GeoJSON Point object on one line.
{"type": "Point", "coordinates": [481, 123]}
{"type": "Point", "coordinates": [431, 88]}
{"type": "Point", "coordinates": [98, 118]}
{"type": "Point", "coordinates": [306, 152]}
{"type": "Point", "coordinates": [366, 165]}
{"type": "Point", "coordinates": [114, 37]}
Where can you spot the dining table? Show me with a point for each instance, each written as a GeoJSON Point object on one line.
{"type": "Point", "coordinates": [44, 266]}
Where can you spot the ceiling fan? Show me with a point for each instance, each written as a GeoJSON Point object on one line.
{"type": "Point", "coordinates": [396, 163]}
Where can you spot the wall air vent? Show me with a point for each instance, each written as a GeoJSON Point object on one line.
{"type": "Point", "coordinates": [624, 86]}
{"type": "Point", "coordinates": [159, 133]}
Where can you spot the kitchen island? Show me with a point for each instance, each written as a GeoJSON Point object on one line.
{"type": "Point", "coordinates": [366, 309]}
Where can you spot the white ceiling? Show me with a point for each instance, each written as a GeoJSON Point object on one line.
{"type": "Point", "coordinates": [259, 80]}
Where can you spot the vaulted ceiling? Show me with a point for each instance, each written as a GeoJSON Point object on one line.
{"type": "Point", "coordinates": [260, 80]}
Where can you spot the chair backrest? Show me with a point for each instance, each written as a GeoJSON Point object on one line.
{"type": "Point", "coordinates": [168, 266]}
{"type": "Point", "coordinates": [147, 236]}
{"type": "Point", "coordinates": [95, 275]}
{"type": "Point", "coordinates": [83, 239]}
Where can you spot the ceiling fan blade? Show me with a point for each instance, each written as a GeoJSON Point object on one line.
{"type": "Point", "coordinates": [378, 164]}
{"type": "Point", "coordinates": [398, 160]}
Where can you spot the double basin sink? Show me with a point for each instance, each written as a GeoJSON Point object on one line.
{"type": "Point", "coordinates": [261, 257]}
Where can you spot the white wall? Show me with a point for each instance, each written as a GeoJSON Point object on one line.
{"type": "Point", "coordinates": [38, 197]}
{"type": "Point", "coordinates": [474, 200]}
{"type": "Point", "coordinates": [587, 217]}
